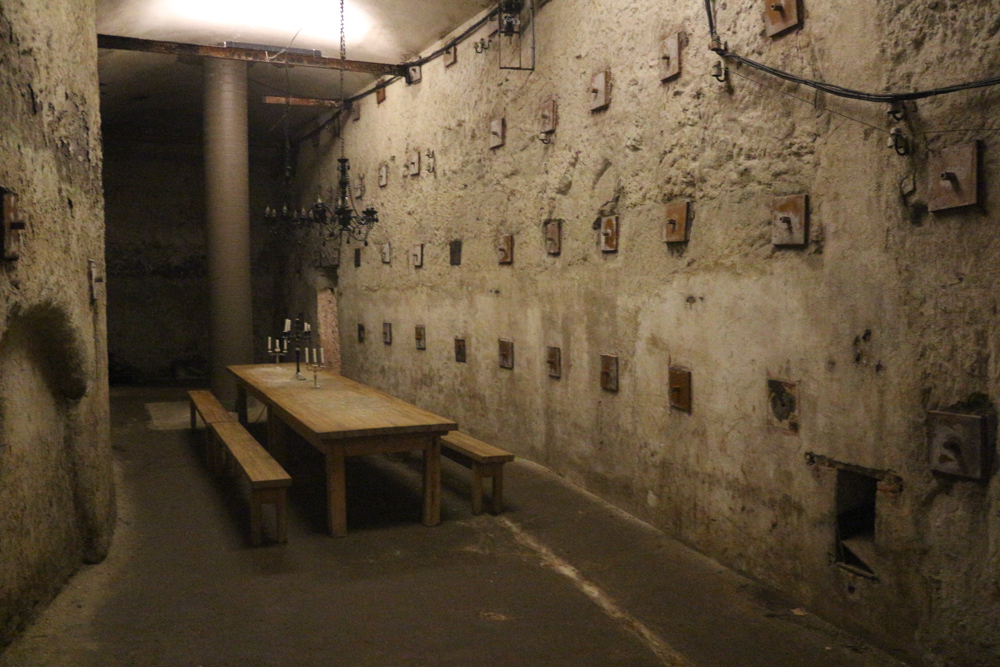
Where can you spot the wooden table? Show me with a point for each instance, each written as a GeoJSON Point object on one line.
{"type": "Point", "coordinates": [344, 418]}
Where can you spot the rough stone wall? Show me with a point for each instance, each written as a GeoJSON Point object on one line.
{"type": "Point", "coordinates": [887, 312]}
{"type": "Point", "coordinates": [56, 488]}
{"type": "Point", "coordinates": [157, 266]}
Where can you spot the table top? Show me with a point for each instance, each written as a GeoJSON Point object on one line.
{"type": "Point", "coordinates": [339, 407]}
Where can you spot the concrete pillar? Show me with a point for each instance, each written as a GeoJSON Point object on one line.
{"type": "Point", "coordinates": [228, 221]}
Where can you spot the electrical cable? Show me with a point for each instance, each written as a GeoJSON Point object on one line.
{"type": "Point", "coordinates": [833, 89]}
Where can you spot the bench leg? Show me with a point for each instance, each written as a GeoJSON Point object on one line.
{"type": "Point", "coordinates": [477, 488]}
{"type": "Point", "coordinates": [497, 499]}
{"type": "Point", "coordinates": [432, 483]}
{"type": "Point", "coordinates": [256, 519]}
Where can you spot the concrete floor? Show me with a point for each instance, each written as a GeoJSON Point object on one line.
{"type": "Point", "coordinates": [560, 578]}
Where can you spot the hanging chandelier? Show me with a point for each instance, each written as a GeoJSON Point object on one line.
{"type": "Point", "coordinates": [343, 220]}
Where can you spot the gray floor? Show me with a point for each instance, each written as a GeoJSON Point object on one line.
{"type": "Point", "coordinates": [559, 579]}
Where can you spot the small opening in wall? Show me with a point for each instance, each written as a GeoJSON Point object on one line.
{"type": "Point", "coordinates": [856, 496]}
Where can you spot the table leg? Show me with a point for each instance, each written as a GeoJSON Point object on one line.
{"type": "Point", "coordinates": [241, 404]}
{"type": "Point", "coordinates": [276, 438]}
{"type": "Point", "coordinates": [336, 492]}
{"type": "Point", "coordinates": [432, 483]}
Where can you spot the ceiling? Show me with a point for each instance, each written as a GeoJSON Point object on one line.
{"type": "Point", "coordinates": [152, 97]}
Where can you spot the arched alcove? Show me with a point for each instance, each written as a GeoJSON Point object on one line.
{"type": "Point", "coordinates": [42, 376]}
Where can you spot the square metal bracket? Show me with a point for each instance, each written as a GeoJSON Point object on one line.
{"type": "Point", "coordinates": [780, 15]}
{"type": "Point", "coordinates": [95, 281]}
{"type": "Point", "coordinates": [387, 333]}
{"type": "Point", "coordinates": [417, 255]}
{"type": "Point", "coordinates": [460, 350]}
{"type": "Point", "coordinates": [609, 233]}
{"type": "Point", "coordinates": [420, 333]}
{"type": "Point", "coordinates": [498, 132]}
{"type": "Point", "coordinates": [355, 111]}
{"type": "Point", "coordinates": [953, 175]}
{"type": "Point", "coordinates": [550, 117]}
{"type": "Point", "coordinates": [783, 405]}
{"type": "Point", "coordinates": [675, 224]}
{"type": "Point", "coordinates": [359, 188]}
{"type": "Point", "coordinates": [506, 354]}
{"type": "Point", "coordinates": [600, 91]}
{"type": "Point", "coordinates": [958, 444]}
{"type": "Point", "coordinates": [361, 333]}
{"type": "Point", "coordinates": [455, 251]}
{"type": "Point", "coordinates": [553, 359]}
{"type": "Point", "coordinates": [380, 94]}
{"type": "Point", "coordinates": [790, 220]}
{"type": "Point", "coordinates": [670, 57]}
{"type": "Point", "coordinates": [553, 237]}
{"type": "Point", "coordinates": [387, 253]}
{"type": "Point", "coordinates": [450, 55]}
{"type": "Point", "coordinates": [505, 249]}
{"type": "Point", "coordinates": [680, 388]}
{"type": "Point", "coordinates": [414, 163]}
{"type": "Point", "coordinates": [13, 225]}
{"type": "Point", "coordinates": [383, 174]}
{"type": "Point", "coordinates": [609, 372]}
{"type": "Point", "coordinates": [414, 73]}
{"type": "Point", "coordinates": [357, 258]}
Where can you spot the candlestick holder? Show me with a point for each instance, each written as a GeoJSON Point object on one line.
{"type": "Point", "coordinates": [297, 333]}
{"type": "Point", "coordinates": [276, 353]}
{"type": "Point", "coordinates": [316, 368]}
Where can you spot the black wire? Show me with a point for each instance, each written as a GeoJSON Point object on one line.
{"type": "Point", "coordinates": [849, 93]}
{"type": "Point", "coordinates": [840, 91]}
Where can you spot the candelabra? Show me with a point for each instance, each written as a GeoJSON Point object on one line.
{"type": "Point", "coordinates": [297, 332]}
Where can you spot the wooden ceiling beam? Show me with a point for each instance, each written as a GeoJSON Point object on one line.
{"type": "Point", "coordinates": [249, 55]}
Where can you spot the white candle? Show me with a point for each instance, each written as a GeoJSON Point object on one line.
{"type": "Point", "coordinates": [308, 328]}
{"type": "Point", "coordinates": [268, 343]}
{"type": "Point", "coordinates": [288, 326]}
{"type": "Point", "coordinates": [286, 345]}
{"type": "Point", "coordinates": [321, 360]}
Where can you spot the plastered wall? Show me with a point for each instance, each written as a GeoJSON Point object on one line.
{"type": "Point", "coordinates": [888, 311]}
{"type": "Point", "coordinates": [56, 488]}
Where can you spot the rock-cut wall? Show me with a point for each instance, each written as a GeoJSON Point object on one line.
{"type": "Point", "coordinates": [803, 458]}
{"type": "Point", "coordinates": [56, 486]}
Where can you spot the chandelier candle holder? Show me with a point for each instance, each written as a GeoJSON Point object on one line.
{"type": "Point", "coordinates": [276, 351]}
{"type": "Point", "coordinates": [299, 333]}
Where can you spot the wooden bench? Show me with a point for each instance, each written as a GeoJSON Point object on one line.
{"type": "Point", "coordinates": [204, 404]}
{"type": "Point", "coordinates": [484, 459]}
{"type": "Point", "coordinates": [266, 479]}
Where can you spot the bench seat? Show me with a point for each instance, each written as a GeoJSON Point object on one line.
{"type": "Point", "coordinates": [484, 460]}
{"type": "Point", "coordinates": [266, 480]}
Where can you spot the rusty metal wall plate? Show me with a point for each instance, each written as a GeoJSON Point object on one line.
{"type": "Point", "coordinates": [790, 220]}
{"type": "Point", "coordinates": [387, 253]}
{"type": "Point", "coordinates": [387, 333]}
{"type": "Point", "coordinates": [505, 249]}
{"type": "Point", "coordinates": [553, 237]}
{"type": "Point", "coordinates": [780, 15]}
{"type": "Point", "coordinates": [600, 91]}
{"type": "Point", "coordinates": [958, 444]}
{"type": "Point", "coordinates": [417, 255]}
{"type": "Point", "coordinates": [953, 175]}
{"type": "Point", "coordinates": [670, 57]}
{"type": "Point", "coordinates": [506, 353]}
{"type": "Point", "coordinates": [455, 252]}
{"type": "Point", "coordinates": [609, 372]}
{"type": "Point", "coordinates": [680, 388]}
{"type": "Point", "coordinates": [450, 55]}
{"type": "Point", "coordinates": [414, 163]}
{"type": "Point", "coordinates": [675, 224]}
{"type": "Point", "coordinates": [420, 333]}
{"type": "Point", "coordinates": [609, 234]}
{"type": "Point", "coordinates": [498, 132]}
{"type": "Point", "coordinates": [553, 359]}
{"type": "Point", "coordinates": [460, 350]}
{"type": "Point", "coordinates": [357, 258]}
{"type": "Point", "coordinates": [13, 225]}
{"type": "Point", "coordinates": [550, 116]}
{"type": "Point", "coordinates": [361, 333]}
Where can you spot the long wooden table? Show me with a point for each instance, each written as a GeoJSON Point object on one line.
{"type": "Point", "coordinates": [344, 418]}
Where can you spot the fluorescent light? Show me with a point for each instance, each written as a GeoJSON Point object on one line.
{"type": "Point", "coordinates": [317, 19]}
